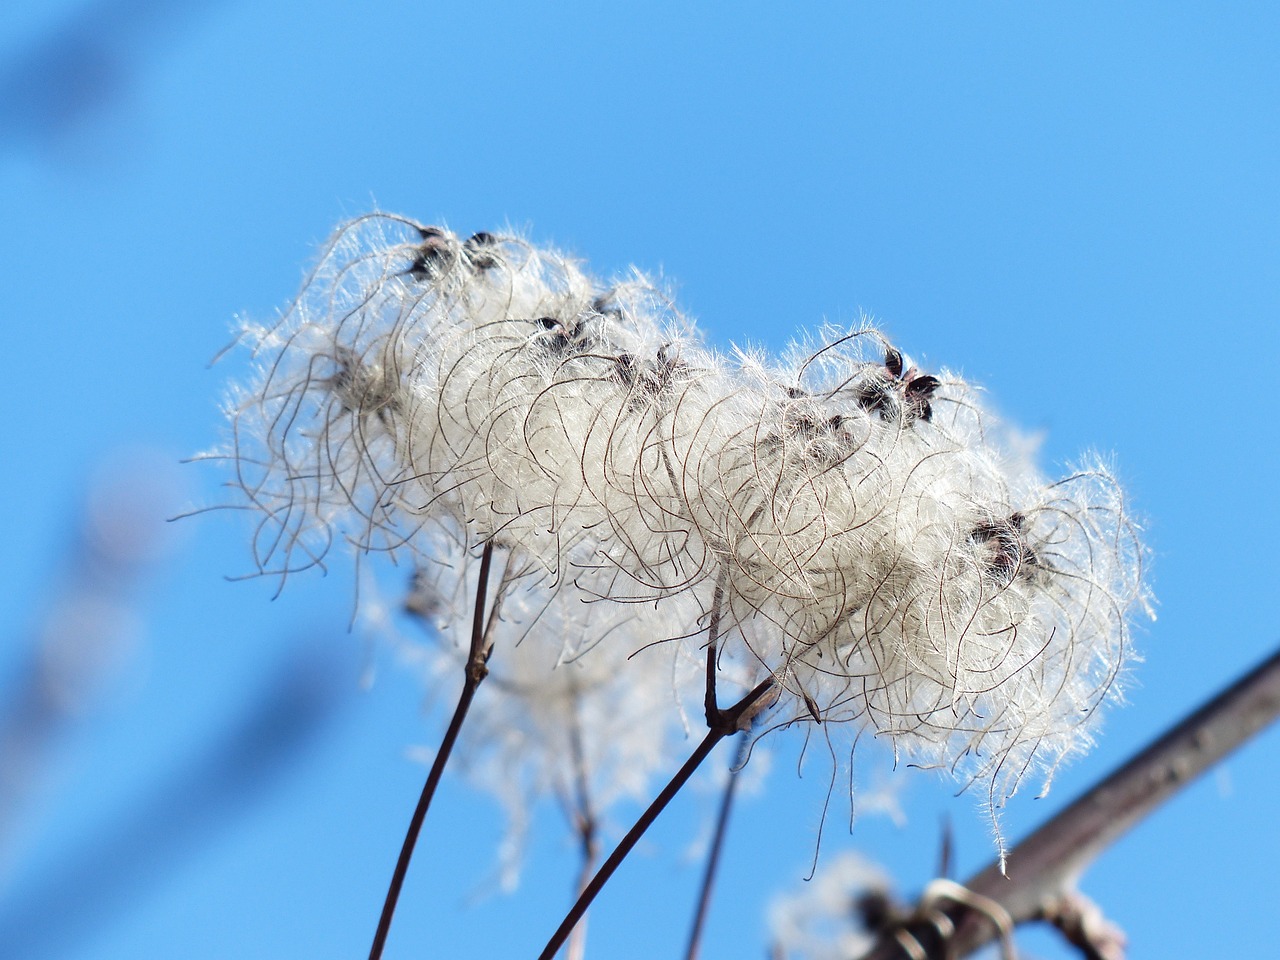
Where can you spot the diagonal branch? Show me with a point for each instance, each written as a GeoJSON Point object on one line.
{"type": "Point", "coordinates": [1044, 868]}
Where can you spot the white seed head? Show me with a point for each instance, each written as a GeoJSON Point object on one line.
{"type": "Point", "coordinates": [859, 528]}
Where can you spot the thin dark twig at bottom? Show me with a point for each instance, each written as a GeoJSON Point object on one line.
{"type": "Point", "coordinates": [475, 671]}
{"type": "Point", "coordinates": [726, 722]}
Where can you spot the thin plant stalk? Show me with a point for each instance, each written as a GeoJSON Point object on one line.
{"type": "Point", "coordinates": [727, 722]}
{"type": "Point", "coordinates": [717, 844]}
{"type": "Point", "coordinates": [475, 671]}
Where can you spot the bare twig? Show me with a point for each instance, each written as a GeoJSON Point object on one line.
{"type": "Point", "coordinates": [1044, 868]}
{"type": "Point", "coordinates": [586, 824]}
{"type": "Point", "coordinates": [117, 863]}
{"type": "Point", "coordinates": [474, 673]}
{"type": "Point", "coordinates": [85, 631]}
{"type": "Point", "coordinates": [717, 844]}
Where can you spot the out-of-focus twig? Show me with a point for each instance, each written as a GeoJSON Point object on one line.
{"type": "Point", "coordinates": [83, 67]}
{"type": "Point", "coordinates": [717, 845]}
{"type": "Point", "coordinates": [86, 628]}
{"type": "Point", "coordinates": [1044, 868]}
{"type": "Point", "coordinates": [586, 824]}
{"type": "Point", "coordinates": [187, 811]}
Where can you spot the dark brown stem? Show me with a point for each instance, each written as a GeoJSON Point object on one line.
{"type": "Point", "coordinates": [475, 671]}
{"type": "Point", "coordinates": [713, 638]}
{"type": "Point", "coordinates": [727, 722]}
{"type": "Point", "coordinates": [717, 844]}
{"type": "Point", "coordinates": [1043, 868]}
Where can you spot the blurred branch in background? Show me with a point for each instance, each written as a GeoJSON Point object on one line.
{"type": "Point", "coordinates": [954, 920]}
{"type": "Point", "coordinates": [88, 627]}
{"type": "Point", "coordinates": [113, 868]}
{"type": "Point", "coordinates": [81, 71]}
{"type": "Point", "coordinates": [707, 886]}
{"type": "Point", "coordinates": [91, 623]}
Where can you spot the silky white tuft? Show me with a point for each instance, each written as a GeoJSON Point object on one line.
{"type": "Point", "coordinates": [857, 528]}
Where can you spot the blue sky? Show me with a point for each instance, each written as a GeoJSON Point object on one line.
{"type": "Point", "coordinates": [1073, 204]}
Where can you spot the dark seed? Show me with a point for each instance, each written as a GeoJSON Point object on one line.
{"type": "Point", "coordinates": [479, 257]}
{"type": "Point", "coordinates": [923, 387]}
{"type": "Point", "coordinates": [624, 365]}
{"type": "Point", "coordinates": [893, 361]}
{"type": "Point", "coordinates": [431, 255]}
{"type": "Point", "coordinates": [813, 707]}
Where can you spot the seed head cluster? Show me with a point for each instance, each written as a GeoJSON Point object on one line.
{"type": "Point", "coordinates": [858, 528]}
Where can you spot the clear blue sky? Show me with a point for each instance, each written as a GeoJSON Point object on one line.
{"type": "Point", "coordinates": [1075, 204]}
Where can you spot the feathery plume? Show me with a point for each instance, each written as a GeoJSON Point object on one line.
{"type": "Point", "coordinates": [860, 528]}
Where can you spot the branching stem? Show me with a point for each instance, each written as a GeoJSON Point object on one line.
{"type": "Point", "coordinates": [1044, 868]}
{"type": "Point", "coordinates": [735, 718]}
{"type": "Point", "coordinates": [475, 671]}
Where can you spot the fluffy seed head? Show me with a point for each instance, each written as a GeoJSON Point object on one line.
{"type": "Point", "coordinates": [858, 526]}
